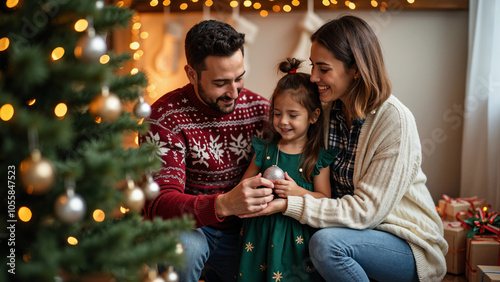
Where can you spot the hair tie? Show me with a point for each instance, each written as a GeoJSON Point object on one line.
{"type": "Point", "coordinates": [293, 70]}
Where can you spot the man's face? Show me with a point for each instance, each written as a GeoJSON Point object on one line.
{"type": "Point", "coordinates": [220, 84]}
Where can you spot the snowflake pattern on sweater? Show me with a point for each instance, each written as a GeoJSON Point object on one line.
{"type": "Point", "coordinates": [203, 152]}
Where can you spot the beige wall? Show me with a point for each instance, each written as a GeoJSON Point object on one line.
{"type": "Point", "coordinates": [425, 53]}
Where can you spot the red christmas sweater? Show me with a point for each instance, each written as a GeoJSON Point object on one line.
{"type": "Point", "coordinates": [204, 153]}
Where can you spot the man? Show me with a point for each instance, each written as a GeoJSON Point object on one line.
{"type": "Point", "coordinates": [203, 131]}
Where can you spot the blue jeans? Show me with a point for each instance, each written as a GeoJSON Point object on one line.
{"type": "Point", "coordinates": [216, 251]}
{"type": "Point", "coordinates": [343, 254]}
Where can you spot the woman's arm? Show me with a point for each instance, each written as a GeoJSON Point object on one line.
{"type": "Point", "coordinates": [387, 162]}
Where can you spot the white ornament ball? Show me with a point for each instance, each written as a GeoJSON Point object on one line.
{"type": "Point", "coordinates": [90, 48]}
{"type": "Point", "coordinates": [107, 106]}
{"type": "Point", "coordinates": [179, 249]}
{"type": "Point", "coordinates": [171, 275]}
{"type": "Point", "coordinates": [70, 207]}
{"type": "Point", "coordinates": [99, 4]}
{"type": "Point", "coordinates": [134, 199]}
{"type": "Point", "coordinates": [142, 109]}
{"type": "Point", "coordinates": [37, 174]}
{"type": "Point", "coordinates": [274, 173]}
{"type": "Point", "coordinates": [151, 189]}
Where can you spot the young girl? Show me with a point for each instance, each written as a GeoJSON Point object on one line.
{"type": "Point", "coordinates": [275, 247]}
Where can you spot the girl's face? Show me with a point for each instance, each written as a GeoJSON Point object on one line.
{"type": "Point", "coordinates": [329, 74]}
{"type": "Point", "coordinates": [290, 119]}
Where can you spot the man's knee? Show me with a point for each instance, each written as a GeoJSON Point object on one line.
{"type": "Point", "coordinates": [195, 245]}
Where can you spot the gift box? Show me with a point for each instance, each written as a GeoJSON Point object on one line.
{"type": "Point", "coordinates": [456, 237]}
{"type": "Point", "coordinates": [481, 250]}
{"type": "Point", "coordinates": [449, 207]}
{"type": "Point", "coordinates": [448, 210]}
{"type": "Point", "coordinates": [488, 273]}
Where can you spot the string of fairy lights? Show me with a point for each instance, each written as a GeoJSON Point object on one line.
{"type": "Point", "coordinates": [186, 5]}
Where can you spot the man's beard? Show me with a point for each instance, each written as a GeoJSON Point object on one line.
{"type": "Point", "coordinates": [214, 104]}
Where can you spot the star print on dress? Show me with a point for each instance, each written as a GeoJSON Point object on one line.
{"type": "Point", "coordinates": [299, 240]}
{"type": "Point", "coordinates": [263, 267]}
{"type": "Point", "coordinates": [249, 247]}
{"type": "Point", "coordinates": [277, 276]}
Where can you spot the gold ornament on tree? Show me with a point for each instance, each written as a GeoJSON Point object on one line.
{"type": "Point", "coordinates": [134, 196]}
{"type": "Point", "coordinates": [36, 172]}
{"type": "Point", "coordinates": [106, 106]}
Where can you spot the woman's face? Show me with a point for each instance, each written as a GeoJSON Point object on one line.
{"type": "Point", "coordinates": [329, 74]}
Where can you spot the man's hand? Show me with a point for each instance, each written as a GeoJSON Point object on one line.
{"type": "Point", "coordinates": [278, 205]}
{"type": "Point", "coordinates": [245, 197]}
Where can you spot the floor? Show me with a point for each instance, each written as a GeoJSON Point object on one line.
{"type": "Point", "coordinates": [447, 278]}
{"type": "Point", "coordinates": [455, 278]}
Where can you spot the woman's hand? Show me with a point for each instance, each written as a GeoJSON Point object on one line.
{"type": "Point", "coordinates": [276, 205]}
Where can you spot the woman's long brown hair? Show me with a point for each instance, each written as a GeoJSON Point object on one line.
{"type": "Point", "coordinates": [352, 41]}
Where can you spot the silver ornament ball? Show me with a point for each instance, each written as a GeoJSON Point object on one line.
{"type": "Point", "coordinates": [70, 207]}
{"type": "Point", "coordinates": [90, 48]}
{"type": "Point", "coordinates": [151, 189]}
{"type": "Point", "coordinates": [142, 109]}
{"type": "Point", "coordinates": [274, 173]}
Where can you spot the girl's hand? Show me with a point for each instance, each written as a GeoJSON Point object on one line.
{"type": "Point", "coordinates": [276, 205]}
{"type": "Point", "coordinates": [287, 187]}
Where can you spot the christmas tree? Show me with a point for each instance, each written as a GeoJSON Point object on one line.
{"type": "Point", "coordinates": [74, 193]}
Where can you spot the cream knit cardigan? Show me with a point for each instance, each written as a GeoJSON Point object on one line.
{"type": "Point", "coordinates": [390, 192]}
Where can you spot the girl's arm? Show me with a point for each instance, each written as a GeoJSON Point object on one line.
{"type": "Point", "coordinates": [322, 183]}
{"type": "Point", "coordinates": [289, 187]}
{"type": "Point", "coordinates": [251, 171]}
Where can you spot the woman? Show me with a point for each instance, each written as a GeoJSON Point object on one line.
{"type": "Point", "coordinates": [381, 222]}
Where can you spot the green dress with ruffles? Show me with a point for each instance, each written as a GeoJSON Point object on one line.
{"type": "Point", "coordinates": [275, 247]}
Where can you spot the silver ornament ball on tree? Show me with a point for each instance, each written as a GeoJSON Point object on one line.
{"type": "Point", "coordinates": [37, 174]}
{"type": "Point", "coordinates": [151, 188]}
{"type": "Point", "coordinates": [274, 173]}
{"type": "Point", "coordinates": [142, 109]}
{"type": "Point", "coordinates": [90, 47]}
{"type": "Point", "coordinates": [70, 207]}
{"type": "Point", "coordinates": [106, 105]}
